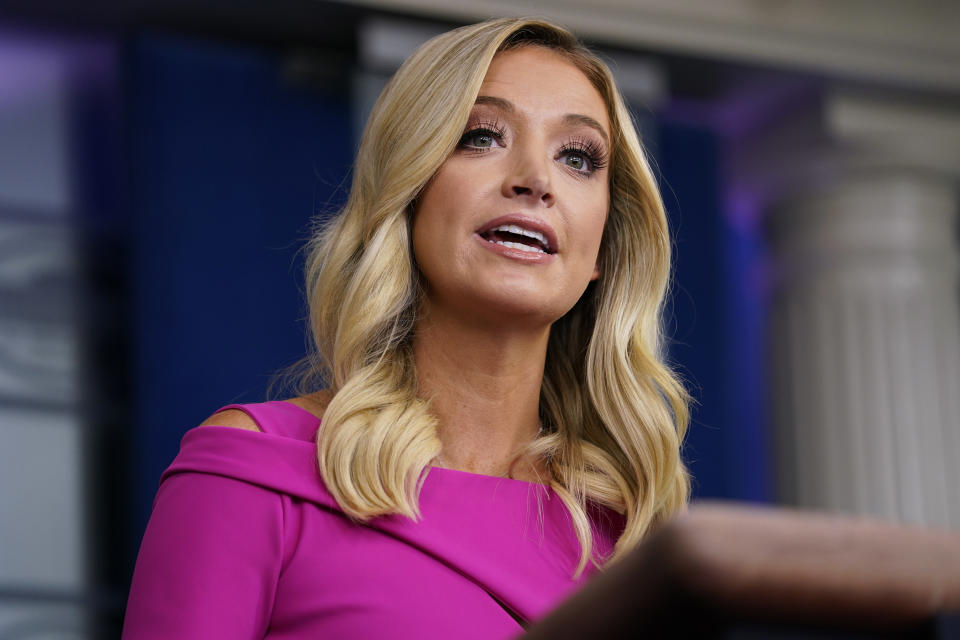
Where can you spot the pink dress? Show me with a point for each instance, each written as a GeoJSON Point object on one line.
{"type": "Point", "coordinates": [246, 542]}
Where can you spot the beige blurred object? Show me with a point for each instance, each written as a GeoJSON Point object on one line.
{"type": "Point", "coordinates": [723, 566]}
{"type": "Point", "coordinates": [911, 44]}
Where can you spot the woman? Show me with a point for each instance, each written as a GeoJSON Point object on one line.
{"type": "Point", "coordinates": [497, 422]}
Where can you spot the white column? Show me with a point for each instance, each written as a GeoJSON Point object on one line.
{"type": "Point", "coordinates": [865, 329]}
{"type": "Point", "coordinates": [862, 208]}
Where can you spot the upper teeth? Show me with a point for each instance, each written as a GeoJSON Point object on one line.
{"type": "Point", "coordinates": [512, 228]}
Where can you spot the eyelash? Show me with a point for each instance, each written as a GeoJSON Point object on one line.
{"type": "Point", "coordinates": [492, 129]}
{"type": "Point", "coordinates": [586, 147]}
{"type": "Point", "coordinates": [590, 150]}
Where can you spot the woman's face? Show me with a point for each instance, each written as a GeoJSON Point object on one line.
{"type": "Point", "coordinates": [509, 227]}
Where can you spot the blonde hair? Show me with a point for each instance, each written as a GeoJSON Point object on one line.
{"type": "Point", "coordinates": [614, 414]}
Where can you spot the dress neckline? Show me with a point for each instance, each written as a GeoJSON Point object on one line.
{"type": "Point", "coordinates": [483, 476]}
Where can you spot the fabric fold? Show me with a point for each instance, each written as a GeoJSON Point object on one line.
{"type": "Point", "coordinates": [491, 551]}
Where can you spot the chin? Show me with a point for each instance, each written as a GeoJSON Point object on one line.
{"type": "Point", "coordinates": [522, 309]}
{"type": "Point", "coordinates": [504, 299]}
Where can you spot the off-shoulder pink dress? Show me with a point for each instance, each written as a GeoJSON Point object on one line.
{"type": "Point", "coordinates": [246, 542]}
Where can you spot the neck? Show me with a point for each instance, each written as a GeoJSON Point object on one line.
{"type": "Point", "coordinates": [484, 388]}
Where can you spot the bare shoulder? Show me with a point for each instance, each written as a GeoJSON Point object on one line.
{"type": "Point", "coordinates": [315, 403]}
{"type": "Point", "coordinates": [231, 418]}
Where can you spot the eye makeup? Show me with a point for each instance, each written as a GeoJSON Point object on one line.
{"type": "Point", "coordinates": [588, 150]}
{"type": "Point", "coordinates": [583, 154]}
{"type": "Point", "coordinates": [485, 131]}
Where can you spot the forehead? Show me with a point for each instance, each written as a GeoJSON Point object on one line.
{"type": "Point", "coordinates": [540, 80]}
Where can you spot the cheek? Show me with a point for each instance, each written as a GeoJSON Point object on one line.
{"type": "Point", "coordinates": [438, 222]}
{"type": "Point", "coordinates": [439, 196]}
{"type": "Point", "coordinates": [594, 223]}
{"type": "Point", "coordinates": [428, 215]}
{"type": "Point", "coordinates": [595, 233]}
{"type": "Point", "coordinates": [425, 238]}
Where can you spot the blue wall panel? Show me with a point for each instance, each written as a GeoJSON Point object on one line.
{"type": "Point", "coordinates": [715, 317]}
{"type": "Point", "coordinates": [689, 161]}
{"type": "Point", "coordinates": [230, 163]}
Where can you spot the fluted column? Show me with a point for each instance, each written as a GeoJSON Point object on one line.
{"type": "Point", "coordinates": [865, 331]}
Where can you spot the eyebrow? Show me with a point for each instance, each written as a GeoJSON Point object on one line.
{"type": "Point", "coordinates": [569, 119]}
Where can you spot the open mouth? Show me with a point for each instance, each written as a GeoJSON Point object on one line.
{"type": "Point", "coordinates": [517, 237]}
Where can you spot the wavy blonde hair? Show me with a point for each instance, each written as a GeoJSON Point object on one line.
{"type": "Point", "coordinates": [614, 414]}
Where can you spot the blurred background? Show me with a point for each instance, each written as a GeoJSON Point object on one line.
{"type": "Point", "coordinates": [160, 163]}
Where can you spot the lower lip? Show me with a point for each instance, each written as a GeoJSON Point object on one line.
{"type": "Point", "coordinates": [530, 257]}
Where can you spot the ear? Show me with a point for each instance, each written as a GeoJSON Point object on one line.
{"type": "Point", "coordinates": [596, 272]}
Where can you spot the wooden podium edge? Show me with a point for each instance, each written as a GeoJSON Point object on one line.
{"type": "Point", "coordinates": [720, 564]}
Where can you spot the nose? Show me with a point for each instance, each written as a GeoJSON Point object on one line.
{"type": "Point", "coordinates": [529, 177]}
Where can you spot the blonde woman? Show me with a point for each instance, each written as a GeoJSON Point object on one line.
{"type": "Point", "coordinates": [495, 421]}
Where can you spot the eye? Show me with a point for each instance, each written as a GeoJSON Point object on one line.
{"type": "Point", "coordinates": [482, 136]}
{"type": "Point", "coordinates": [577, 161]}
{"type": "Point", "coordinates": [479, 139]}
{"type": "Point", "coordinates": [583, 156]}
